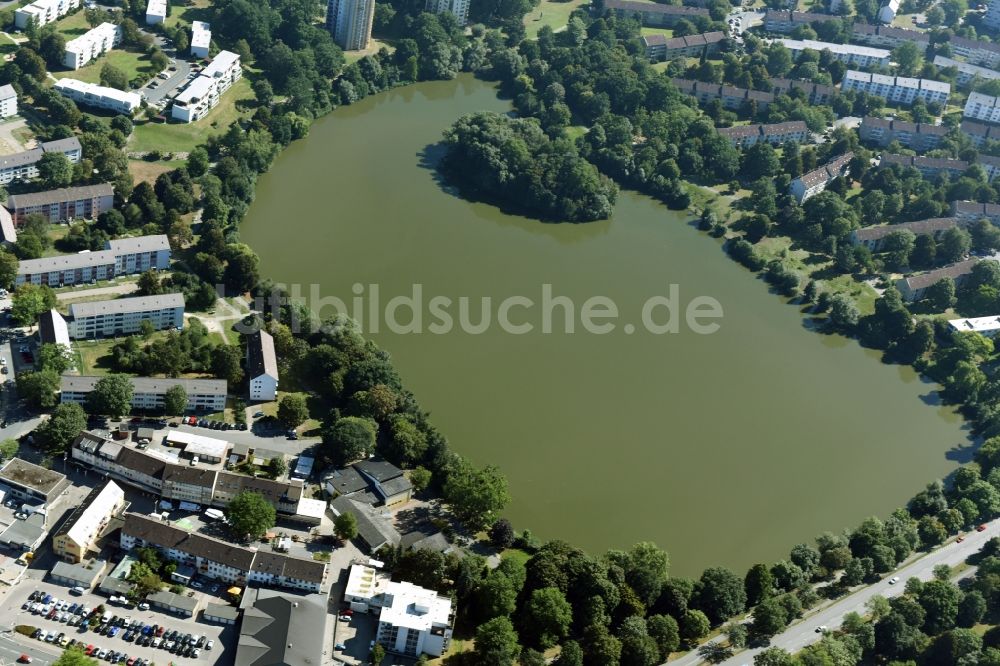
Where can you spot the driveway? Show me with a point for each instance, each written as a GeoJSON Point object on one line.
{"type": "Point", "coordinates": [167, 87]}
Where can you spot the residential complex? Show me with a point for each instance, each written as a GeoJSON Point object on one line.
{"type": "Point", "coordinates": [887, 36]}
{"type": "Point", "coordinates": [901, 89]}
{"type": "Point", "coordinates": [8, 101]}
{"type": "Point", "coordinates": [966, 72]}
{"type": "Point", "coordinates": [660, 47]}
{"type": "Point", "coordinates": [874, 237]}
{"type": "Point", "coordinates": [979, 132]}
{"type": "Point", "coordinates": [918, 136]}
{"type": "Point", "coordinates": [262, 366]}
{"type": "Point", "coordinates": [101, 97]}
{"type": "Point", "coordinates": [777, 20]}
{"type": "Point", "coordinates": [969, 212]}
{"type": "Point", "coordinates": [62, 205]}
{"type": "Point", "coordinates": [992, 17]}
{"type": "Point", "coordinates": [52, 329]}
{"type": "Point", "coordinates": [43, 12]}
{"type": "Point", "coordinates": [988, 326]}
{"type": "Point", "coordinates": [124, 316]}
{"type": "Point", "coordinates": [850, 54]}
{"type": "Point", "coordinates": [974, 51]}
{"type": "Point", "coordinates": [217, 559]}
{"type": "Point", "coordinates": [814, 182]}
{"type": "Point", "coordinates": [371, 482]}
{"type": "Point", "coordinates": [350, 22]}
{"type": "Point", "coordinates": [652, 14]}
{"type": "Point", "coordinates": [411, 620]}
{"type": "Point", "coordinates": [888, 11]}
{"type": "Point", "coordinates": [458, 8]}
{"type": "Point", "coordinates": [914, 287]}
{"type": "Point", "coordinates": [78, 535]}
{"type": "Point", "coordinates": [816, 93]}
{"type": "Point", "coordinates": [744, 136]}
{"type": "Point", "coordinates": [732, 98]}
{"type": "Point", "coordinates": [156, 12]}
{"type": "Point", "coordinates": [929, 167]}
{"type": "Point", "coordinates": [204, 92]}
{"type": "Point", "coordinates": [92, 45]}
{"type": "Point", "coordinates": [148, 393]}
{"type": "Point", "coordinates": [121, 257]}
{"type": "Point", "coordinates": [31, 483]}
{"type": "Point", "coordinates": [201, 39]}
{"type": "Point", "coordinates": [982, 107]}
{"type": "Point", "coordinates": [24, 165]}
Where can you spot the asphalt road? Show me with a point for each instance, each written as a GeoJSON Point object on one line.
{"type": "Point", "coordinates": [804, 632]}
{"type": "Point", "coordinates": [11, 649]}
{"type": "Point", "coordinates": [165, 87]}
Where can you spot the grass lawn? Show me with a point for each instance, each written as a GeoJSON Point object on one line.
{"type": "Point", "coordinates": [7, 45]}
{"type": "Point", "coordinates": [73, 26]}
{"type": "Point", "coordinates": [147, 172]}
{"type": "Point", "coordinates": [666, 32]}
{"type": "Point", "coordinates": [551, 13]}
{"type": "Point", "coordinates": [271, 409]}
{"type": "Point", "coordinates": [373, 48]}
{"type": "Point", "coordinates": [198, 10]}
{"type": "Point", "coordinates": [90, 356]}
{"type": "Point", "coordinates": [176, 137]}
{"type": "Point", "coordinates": [132, 63]}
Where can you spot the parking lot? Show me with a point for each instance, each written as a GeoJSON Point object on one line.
{"type": "Point", "coordinates": [12, 614]}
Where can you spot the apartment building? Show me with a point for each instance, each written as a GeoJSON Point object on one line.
{"type": "Point", "coordinates": [966, 73]}
{"type": "Point", "coordinates": [92, 45]}
{"type": "Point", "coordinates": [100, 97]}
{"type": "Point", "coordinates": [262, 366]}
{"type": "Point", "coordinates": [929, 167]}
{"type": "Point", "coordinates": [124, 316]}
{"type": "Point", "coordinates": [849, 54]}
{"type": "Point", "coordinates": [350, 22]}
{"type": "Point", "coordinates": [62, 205]}
{"type": "Point", "coordinates": [986, 326]}
{"type": "Point", "coordinates": [732, 98]}
{"type": "Point", "coordinates": [43, 12]}
{"type": "Point", "coordinates": [990, 164]}
{"type": "Point", "coordinates": [78, 535]}
{"type": "Point", "coordinates": [52, 329]}
{"type": "Point", "coordinates": [652, 14]}
{"type": "Point", "coordinates": [914, 287]}
{"type": "Point", "coordinates": [874, 237]}
{"type": "Point", "coordinates": [220, 560]}
{"type": "Point", "coordinates": [138, 254]}
{"type": "Point", "coordinates": [969, 212]}
{"type": "Point", "coordinates": [457, 8]}
{"type": "Point", "coordinates": [901, 89]}
{"type": "Point", "coordinates": [660, 48]}
{"type": "Point", "coordinates": [918, 136]}
{"type": "Point", "coordinates": [148, 393]}
{"type": "Point", "coordinates": [979, 132]}
{"type": "Point", "coordinates": [777, 20]}
{"type": "Point", "coordinates": [887, 13]}
{"type": "Point", "coordinates": [744, 136]}
{"type": "Point", "coordinates": [986, 54]}
{"type": "Point", "coordinates": [982, 107]}
{"type": "Point", "coordinates": [203, 93]}
{"type": "Point", "coordinates": [156, 12]}
{"type": "Point", "coordinates": [887, 36]}
{"type": "Point", "coordinates": [992, 17]}
{"type": "Point", "coordinates": [812, 183]}
{"type": "Point", "coordinates": [24, 165]}
{"type": "Point", "coordinates": [411, 620]}
{"type": "Point", "coordinates": [816, 93]}
{"type": "Point", "coordinates": [8, 101]}
{"type": "Point", "coordinates": [201, 39]}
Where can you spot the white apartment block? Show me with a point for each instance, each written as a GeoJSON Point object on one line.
{"type": "Point", "coordinates": [966, 72]}
{"type": "Point", "coordinates": [459, 8]}
{"type": "Point", "coordinates": [201, 39]}
{"type": "Point", "coordinates": [121, 257]}
{"type": "Point", "coordinates": [901, 89]}
{"type": "Point", "coordinates": [982, 107]}
{"type": "Point", "coordinates": [849, 54]}
{"type": "Point", "coordinates": [92, 45]}
{"type": "Point", "coordinates": [156, 12]}
{"type": "Point", "coordinates": [101, 97]}
{"type": "Point", "coordinates": [24, 166]}
{"type": "Point", "coordinates": [204, 92]}
{"type": "Point", "coordinates": [43, 12]}
{"type": "Point", "coordinates": [810, 184]}
{"type": "Point", "coordinates": [148, 393]}
{"type": "Point", "coordinates": [888, 11]}
{"type": "Point", "coordinates": [8, 101]}
{"type": "Point", "coordinates": [262, 366]}
{"type": "Point", "coordinates": [350, 22]}
{"type": "Point", "coordinates": [79, 533]}
{"type": "Point", "coordinates": [124, 316]}
{"type": "Point", "coordinates": [139, 254]}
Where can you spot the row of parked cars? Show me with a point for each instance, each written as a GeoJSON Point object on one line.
{"type": "Point", "coordinates": [211, 424]}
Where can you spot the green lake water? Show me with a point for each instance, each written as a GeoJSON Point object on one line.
{"type": "Point", "coordinates": [726, 448]}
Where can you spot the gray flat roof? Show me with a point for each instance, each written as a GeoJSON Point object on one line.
{"type": "Point", "coordinates": [126, 305]}
{"type": "Point", "coordinates": [31, 476]}
{"type": "Point", "coordinates": [58, 196]}
{"type": "Point", "coordinates": [149, 384]}
{"type": "Point", "coordinates": [222, 610]}
{"type": "Point", "coordinates": [66, 262]}
{"type": "Point", "coordinates": [62, 145]}
{"type": "Point", "coordinates": [135, 244]}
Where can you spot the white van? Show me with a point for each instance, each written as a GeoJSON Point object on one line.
{"type": "Point", "coordinates": [76, 590]}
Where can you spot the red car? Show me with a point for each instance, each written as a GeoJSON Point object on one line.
{"type": "Point", "coordinates": [90, 649]}
{"type": "Point", "coordinates": [24, 659]}
{"type": "Point", "coordinates": [981, 528]}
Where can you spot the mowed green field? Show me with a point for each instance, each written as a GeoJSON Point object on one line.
{"type": "Point", "coordinates": [130, 62]}
{"type": "Point", "coordinates": [552, 13]}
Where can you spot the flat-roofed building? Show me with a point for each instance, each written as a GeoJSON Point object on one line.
{"type": "Point", "coordinates": [24, 165]}
{"type": "Point", "coordinates": [914, 287]}
{"type": "Point", "coordinates": [8, 101]}
{"type": "Point", "coordinates": [887, 35]}
{"type": "Point", "coordinates": [653, 14]}
{"type": "Point", "coordinates": [201, 39]}
{"type": "Point", "coordinates": [888, 11]}
{"type": "Point", "coordinates": [982, 107]}
{"type": "Point", "coordinates": [988, 326]}
{"type": "Point", "coordinates": [208, 449]}
{"type": "Point", "coordinates": [874, 237]}
{"type": "Point", "coordinates": [68, 203]}
{"type": "Point", "coordinates": [918, 136]}
{"type": "Point", "coordinates": [148, 393]}
{"type": "Point", "coordinates": [31, 483]}
{"type": "Point", "coordinates": [52, 329]}
{"type": "Point", "coordinates": [204, 92]}
{"type": "Point", "coordinates": [262, 366]}
{"type": "Point", "coordinates": [138, 254]}
{"type": "Point", "coordinates": [849, 54]}
{"type": "Point", "coordinates": [457, 8]}
{"type": "Point", "coordinates": [78, 535]}
{"type": "Point", "coordinates": [92, 45]}
{"type": "Point", "coordinates": [156, 12]}
{"type": "Point", "coordinates": [929, 167]}
{"type": "Point", "coordinates": [812, 183]}
{"type": "Point", "coordinates": [124, 316]}
{"type": "Point", "coordinates": [744, 136]}
{"type": "Point", "coordinates": [660, 47]}
{"type": "Point", "coordinates": [100, 97]}
{"type": "Point", "coordinates": [43, 12]}
{"type": "Point", "coordinates": [901, 89]}
{"type": "Point", "coordinates": [780, 20]}
{"type": "Point", "coordinates": [67, 269]}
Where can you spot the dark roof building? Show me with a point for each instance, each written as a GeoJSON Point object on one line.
{"type": "Point", "coordinates": [281, 629]}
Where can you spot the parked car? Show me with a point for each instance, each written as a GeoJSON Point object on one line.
{"type": "Point", "coordinates": [981, 528]}
{"type": "Point", "coordinates": [24, 659]}
{"type": "Point", "coordinates": [209, 645]}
